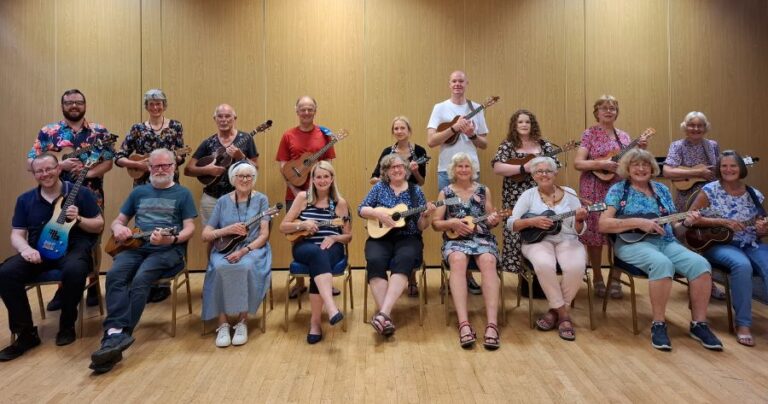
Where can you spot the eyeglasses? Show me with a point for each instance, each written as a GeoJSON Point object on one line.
{"type": "Point", "coordinates": [44, 171]}
{"type": "Point", "coordinates": [608, 109]}
{"type": "Point", "coordinates": [397, 166]}
{"type": "Point", "coordinates": [160, 166]}
{"type": "Point", "coordinates": [543, 172]}
{"type": "Point", "coordinates": [71, 103]}
{"type": "Point", "coordinates": [244, 177]}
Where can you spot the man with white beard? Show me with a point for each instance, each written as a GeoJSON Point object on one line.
{"type": "Point", "coordinates": [156, 207]}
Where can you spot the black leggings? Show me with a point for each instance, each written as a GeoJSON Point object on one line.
{"type": "Point", "coordinates": [318, 260]}
{"type": "Point", "coordinates": [399, 254]}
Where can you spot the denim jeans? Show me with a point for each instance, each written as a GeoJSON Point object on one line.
{"type": "Point", "coordinates": [742, 263]}
{"type": "Point", "coordinates": [128, 282]}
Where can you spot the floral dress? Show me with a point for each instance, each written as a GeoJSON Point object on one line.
{"type": "Point", "coordinates": [598, 143]}
{"type": "Point", "coordinates": [684, 153]}
{"type": "Point", "coordinates": [483, 241]}
{"type": "Point", "coordinates": [511, 190]}
{"type": "Point", "coordinates": [142, 139]}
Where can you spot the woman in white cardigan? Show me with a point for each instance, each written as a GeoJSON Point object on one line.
{"type": "Point", "coordinates": [563, 247]}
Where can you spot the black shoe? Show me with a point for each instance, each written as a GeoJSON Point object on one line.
{"type": "Point", "coordinates": [336, 318]}
{"type": "Point", "coordinates": [106, 367]}
{"type": "Point", "coordinates": [55, 303]}
{"type": "Point", "coordinates": [111, 349]}
{"type": "Point", "coordinates": [66, 336]}
{"type": "Point", "coordinates": [335, 291]}
{"type": "Point", "coordinates": [158, 293]}
{"type": "Point", "coordinates": [24, 342]}
{"type": "Point", "coordinates": [92, 297]}
{"type": "Point", "coordinates": [314, 338]}
{"type": "Point", "coordinates": [473, 287]}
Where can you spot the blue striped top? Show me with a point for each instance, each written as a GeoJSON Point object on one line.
{"type": "Point", "coordinates": [318, 214]}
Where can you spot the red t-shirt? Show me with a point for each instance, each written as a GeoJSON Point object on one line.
{"type": "Point", "coordinates": [296, 142]}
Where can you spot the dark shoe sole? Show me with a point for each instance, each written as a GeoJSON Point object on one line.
{"type": "Point", "coordinates": [665, 348]}
{"type": "Point", "coordinates": [105, 367]}
{"type": "Point", "coordinates": [314, 338]}
{"type": "Point", "coordinates": [103, 356]}
{"type": "Point", "coordinates": [336, 318]}
{"type": "Point", "coordinates": [65, 341]}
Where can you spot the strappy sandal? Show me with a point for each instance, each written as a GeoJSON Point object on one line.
{"type": "Point", "coordinates": [385, 327]}
{"type": "Point", "coordinates": [413, 290]}
{"type": "Point", "coordinates": [566, 332]}
{"type": "Point", "coordinates": [467, 340]}
{"type": "Point", "coordinates": [491, 343]}
{"type": "Point", "coordinates": [548, 321]}
{"type": "Point", "coordinates": [599, 287]}
{"type": "Point", "coordinates": [745, 339]}
{"type": "Point", "coordinates": [616, 292]}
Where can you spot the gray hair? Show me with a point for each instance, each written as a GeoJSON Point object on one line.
{"type": "Point", "coordinates": [549, 161]}
{"type": "Point", "coordinates": [387, 162]}
{"type": "Point", "coordinates": [637, 154]}
{"type": "Point", "coordinates": [216, 111]}
{"type": "Point", "coordinates": [458, 158]}
{"type": "Point", "coordinates": [154, 94]}
{"type": "Point", "coordinates": [694, 115]}
{"type": "Point", "coordinates": [241, 166]}
{"type": "Point", "coordinates": [161, 151]}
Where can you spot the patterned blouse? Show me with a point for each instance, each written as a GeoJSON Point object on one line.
{"type": "Point", "coordinates": [639, 203]}
{"type": "Point", "coordinates": [684, 153]}
{"type": "Point", "coordinates": [382, 195]}
{"type": "Point", "coordinates": [142, 139]}
{"type": "Point", "coordinates": [740, 208]}
{"type": "Point", "coordinates": [482, 241]}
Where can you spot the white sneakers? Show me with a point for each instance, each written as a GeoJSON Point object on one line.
{"type": "Point", "coordinates": [223, 338]}
{"type": "Point", "coordinates": [241, 333]}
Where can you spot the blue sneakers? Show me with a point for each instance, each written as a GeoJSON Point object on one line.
{"type": "Point", "coordinates": [659, 338]}
{"type": "Point", "coordinates": [700, 332]}
{"type": "Point", "coordinates": [111, 351]}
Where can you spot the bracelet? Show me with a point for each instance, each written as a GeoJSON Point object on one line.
{"type": "Point", "coordinates": [248, 247]}
{"type": "Point", "coordinates": [455, 132]}
{"type": "Point", "coordinates": [473, 137]}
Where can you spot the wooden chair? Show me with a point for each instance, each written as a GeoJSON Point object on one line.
{"type": "Point", "coordinates": [422, 293]}
{"type": "Point", "coordinates": [632, 272]}
{"type": "Point", "coordinates": [176, 278]}
{"type": "Point", "coordinates": [297, 270]}
{"type": "Point", "coordinates": [445, 272]}
{"type": "Point", "coordinates": [529, 274]}
{"type": "Point", "coordinates": [726, 283]}
{"type": "Point", "coordinates": [53, 277]}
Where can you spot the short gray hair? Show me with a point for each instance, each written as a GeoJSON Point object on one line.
{"type": "Point", "coordinates": [155, 94]}
{"type": "Point", "coordinates": [239, 167]}
{"type": "Point", "coordinates": [161, 151]}
{"type": "Point", "coordinates": [694, 115]}
{"type": "Point", "coordinates": [387, 162]}
{"type": "Point", "coordinates": [458, 158]}
{"type": "Point", "coordinates": [543, 160]}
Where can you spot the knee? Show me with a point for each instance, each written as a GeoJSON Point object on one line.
{"type": "Point", "coordinates": [661, 269]}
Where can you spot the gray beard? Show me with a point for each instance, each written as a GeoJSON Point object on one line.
{"type": "Point", "coordinates": [161, 181]}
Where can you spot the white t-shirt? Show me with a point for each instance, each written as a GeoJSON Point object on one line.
{"type": "Point", "coordinates": [530, 201]}
{"type": "Point", "coordinates": [445, 112]}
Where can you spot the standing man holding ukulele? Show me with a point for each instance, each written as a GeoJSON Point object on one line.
{"type": "Point", "coordinates": [472, 134]}
{"type": "Point", "coordinates": [75, 132]}
{"type": "Point", "coordinates": [305, 138]}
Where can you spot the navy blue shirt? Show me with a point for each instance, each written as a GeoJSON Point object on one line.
{"type": "Point", "coordinates": [33, 212]}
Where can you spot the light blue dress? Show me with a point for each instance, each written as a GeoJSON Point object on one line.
{"type": "Point", "coordinates": [240, 287]}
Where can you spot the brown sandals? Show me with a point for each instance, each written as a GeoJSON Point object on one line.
{"type": "Point", "coordinates": [467, 340]}
{"type": "Point", "coordinates": [491, 343]}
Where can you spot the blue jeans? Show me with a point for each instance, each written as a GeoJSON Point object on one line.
{"type": "Point", "coordinates": [128, 282]}
{"type": "Point", "coordinates": [742, 263]}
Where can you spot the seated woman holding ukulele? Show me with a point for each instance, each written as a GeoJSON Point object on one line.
{"type": "Point", "coordinates": [323, 215]}
{"type": "Point", "coordinates": [470, 239]}
{"type": "Point", "coordinates": [562, 247]}
{"type": "Point", "coordinates": [739, 208]}
{"type": "Point", "coordinates": [637, 203]}
{"type": "Point", "coordinates": [393, 244]}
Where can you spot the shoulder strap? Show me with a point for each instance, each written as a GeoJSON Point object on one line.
{"type": "Point", "coordinates": [756, 201]}
{"type": "Point", "coordinates": [623, 200]}
{"type": "Point", "coordinates": [471, 107]}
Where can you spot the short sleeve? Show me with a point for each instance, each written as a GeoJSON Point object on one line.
{"type": "Point", "coordinates": [215, 219]}
{"type": "Point", "coordinates": [613, 197]}
{"type": "Point", "coordinates": [674, 155]}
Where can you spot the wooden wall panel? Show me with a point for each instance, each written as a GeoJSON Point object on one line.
{"type": "Point", "coordinates": [719, 56]}
{"type": "Point", "coordinates": [627, 57]}
{"type": "Point", "coordinates": [407, 75]}
{"type": "Point", "coordinates": [212, 53]}
{"type": "Point", "coordinates": [27, 77]}
{"type": "Point", "coordinates": [316, 48]}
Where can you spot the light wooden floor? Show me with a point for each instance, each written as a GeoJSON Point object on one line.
{"type": "Point", "coordinates": [419, 364]}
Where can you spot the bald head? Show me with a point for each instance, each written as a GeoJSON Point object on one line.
{"type": "Point", "coordinates": [226, 109]}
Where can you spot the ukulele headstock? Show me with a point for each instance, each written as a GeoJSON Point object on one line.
{"type": "Point", "coordinates": [491, 100]}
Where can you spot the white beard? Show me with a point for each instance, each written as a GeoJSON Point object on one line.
{"type": "Point", "coordinates": [161, 181]}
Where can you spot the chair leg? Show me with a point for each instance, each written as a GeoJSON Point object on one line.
{"type": "Point", "coordinates": [424, 281]}
{"type": "Point", "coordinates": [610, 279]}
{"type": "Point", "coordinates": [287, 293]}
{"type": "Point", "coordinates": [501, 297]}
{"type": "Point", "coordinates": [174, 301]}
{"type": "Point", "coordinates": [519, 287]}
{"type": "Point", "coordinates": [264, 314]}
{"type": "Point", "coordinates": [189, 292]}
{"type": "Point", "coordinates": [80, 315]}
{"type": "Point", "coordinates": [529, 279]}
{"type": "Point", "coordinates": [588, 280]}
{"type": "Point", "coordinates": [99, 293]}
{"type": "Point", "coordinates": [421, 306]}
{"type": "Point", "coordinates": [365, 298]}
{"type": "Point", "coordinates": [446, 275]}
{"type": "Point", "coordinates": [729, 308]}
{"type": "Point", "coordinates": [271, 297]}
{"type": "Point", "coordinates": [351, 294]}
{"type": "Point", "coordinates": [346, 280]}
{"type": "Point", "coordinates": [40, 301]}
{"type": "Point", "coordinates": [633, 299]}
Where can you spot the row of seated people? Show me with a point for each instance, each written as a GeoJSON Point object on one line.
{"type": "Point", "coordinates": [235, 283]}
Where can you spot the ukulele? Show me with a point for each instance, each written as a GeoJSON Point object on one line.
{"type": "Point", "coordinates": [138, 238]}
{"type": "Point", "coordinates": [446, 125]}
{"type": "Point", "coordinates": [296, 171]}
{"type": "Point", "coordinates": [54, 238]}
{"type": "Point", "coordinates": [685, 184]}
{"type": "Point", "coordinates": [615, 156]}
{"type": "Point", "coordinates": [298, 235]}
{"type": "Point", "coordinates": [635, 235]}
{"type": "Point", "coordinates": [572, 144]}
{"type": "Point", "coordinates": [702, 238]}
{"type": "Point", "coordinates": [221, 158]}
{"type": "Point", "coordinates": [473, 221]}
{"type": "Point", "coordinates": [398, 213]}
{"type": "Point", "coordinates": [68, 152]}
{"type": "Point", "coordinates": [225, 244]}
{"type": "Point", "coordinates": [531, 235]}
{"type": "Point", "coordinates": [136, 173]}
